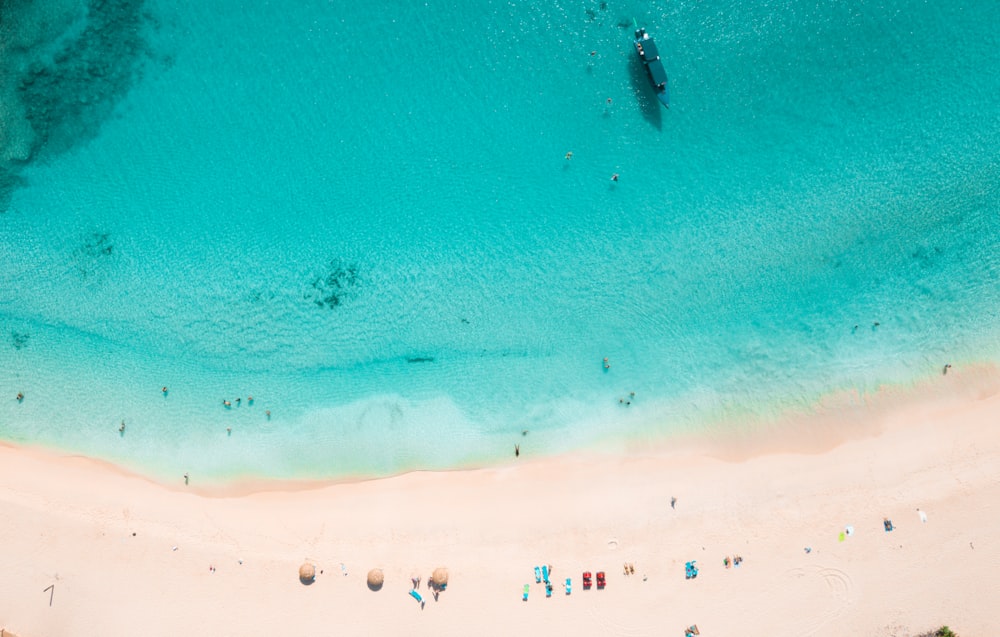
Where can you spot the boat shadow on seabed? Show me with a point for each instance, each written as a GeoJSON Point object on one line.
{"type": "Point", "coordinates": [652, 110]}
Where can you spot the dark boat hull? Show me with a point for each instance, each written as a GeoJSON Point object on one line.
{"type": "Point", "coordinates": [650, 57]}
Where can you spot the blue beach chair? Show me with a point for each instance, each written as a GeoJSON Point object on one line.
{"type": "Point", "coordinates": [548, 589]}
{"type": "Point", "coordinates": [569, 585]}
{"type": "Point", "coordinates": [545, 574]}
{"type": "Point", "coordinates": [538, 575]}
{"type": "Point", "coordinates": [690, 571]}
{"type": "Point", "coordinates": [524, 595]}
{"type": "Point", "coordinates": [415, 595]}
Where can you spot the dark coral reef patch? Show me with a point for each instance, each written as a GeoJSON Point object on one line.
{"type": "Point", "coordinates": [64, 66]}
{"type": "Point", "coordinates": [339, 282]}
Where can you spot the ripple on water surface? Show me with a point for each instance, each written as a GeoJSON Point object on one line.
{"type": "Point", "coordinates": [387, 247]}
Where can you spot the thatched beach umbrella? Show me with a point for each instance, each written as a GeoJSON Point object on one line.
{"type": "Point", "coordinates": [375, 579]}
{"type": "Point", "coordinates": [439, 578]}
{"type": "Point", "coordinates": [307, 573]}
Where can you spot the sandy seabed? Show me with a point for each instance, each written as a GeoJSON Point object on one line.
{"type": "Point", "coordinates": [86, 549]}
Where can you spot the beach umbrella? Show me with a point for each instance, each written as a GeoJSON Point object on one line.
{"type": "Point", "coordinates": [307, 573]}
{"type": "Point", "coordinates": [439, 578]}
{"type": "Point", "coordinates": [375, 579]}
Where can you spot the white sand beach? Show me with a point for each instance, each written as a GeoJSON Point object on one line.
{"type": "Point", "coordinates": [125, 556]}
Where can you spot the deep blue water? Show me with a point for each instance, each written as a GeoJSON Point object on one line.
{"type": "Point", "coordinates": [364, 218]}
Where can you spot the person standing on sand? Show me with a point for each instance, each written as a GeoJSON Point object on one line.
{"type": "Point", "coordinates": [673, 502]}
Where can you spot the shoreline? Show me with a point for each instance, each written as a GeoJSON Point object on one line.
{"type": "Point", "coordinates": [797, 430]}
{"type": "Point", "coordinates": [70, 520]}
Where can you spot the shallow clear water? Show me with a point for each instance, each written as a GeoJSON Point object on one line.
{"type": "Point", "coordinates": [363, 217]}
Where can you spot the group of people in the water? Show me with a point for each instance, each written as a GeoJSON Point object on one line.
{"type": "Point", "coordinates": [631, 395]}
{"type": "Point", "coordinates": [165, 391]}
{"type": "Point", "coordinates": [627, 401]}
{"type": "Point", "coordinates": [227, 404]}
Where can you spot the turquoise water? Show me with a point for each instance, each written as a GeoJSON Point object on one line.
{"type": "Point", "coordinates": [364, 218]}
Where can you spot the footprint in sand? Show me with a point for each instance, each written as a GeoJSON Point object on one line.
{"type": "Point", "coordinates": [829, 591]}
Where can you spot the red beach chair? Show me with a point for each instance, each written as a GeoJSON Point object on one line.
{"type": "Point", "coordinates": [587, 581]}
{"type": "Point", "coordinates": [601, 582]}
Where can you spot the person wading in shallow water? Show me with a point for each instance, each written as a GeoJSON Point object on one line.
{"type": "Point", "coordinates": [517, 451]}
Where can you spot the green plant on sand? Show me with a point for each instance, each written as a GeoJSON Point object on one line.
{"type": "Point", "coordinates": [944, 631]}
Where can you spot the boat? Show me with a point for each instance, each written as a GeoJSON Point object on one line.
{"type": "Point", "coordinates": [650, 57]}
